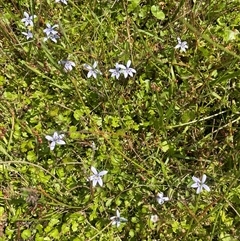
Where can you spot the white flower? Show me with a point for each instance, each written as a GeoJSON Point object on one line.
{"type": "Point", "coordinates": [154, 218]}
{"type": "Point", "coordinates": [92, 71]}
{"type": "Point", "coordinates": [93, 146]}
{"type": "Point", "coordinates": [50, 29]}
{"type": "Point", "coordinates": [117, 71]}
{"type": "Point", "coordinates": [116, 220]}
{"type": "Point", "coordinates": [63, 1]}
{"type": "Point", "coordinates": [55, 139]}
{"type": "Point", "coordinates": [128, 71]}
{"type": "Point", "coordinates": [53, 37]}
{"type": "Point", "coordinates": [199, 184]}
{"type": "Point", "coordinates": [182, 45]}
{"type": "Point", "coordinates": [28, 34]}
{"type": "Point", "coordinates": [68, 65]}
{"type": "Point", "coordinates": [97, 177]}
{"type": "Point", "coordinates": [28, 20]}
{"type": "Point", "coordinates": [161, 199]}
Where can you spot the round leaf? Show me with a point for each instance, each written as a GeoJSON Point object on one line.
{"type": "Point", "coordinates": [157, 13]}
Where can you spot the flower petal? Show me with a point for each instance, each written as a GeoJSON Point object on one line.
{"type": "Point", "coordinates": [204, 177]}
{"type": "Point", "coordinates": [125, 74]}
{"type": "Point", "coordinates": [121, 66]}
{"type": "Point", "coordinates": [123, 219]}
{"type": "Point", "coordinates": [55, 135]}
{"type": "Point", "coordinates": [195, 179]}
{"type": "Point", "coordinates": [86, 66]}
{"type": "Point", "coordinates": [102, 173]}
{"type": "Point", "coordinates": [52, 145]}
{"type": "Point", "coordinates": [54, 40]}
{"type": "Point", "coordinates": [61, 136]}
{"type": "Point", "coordinates": [206, 187]}
{"type": "Point", "coordinates": [128, 63]}
{"type": "Point", "coordinates": [89, 74]}
{"type": "Point", "coordinates": [94, 170]}
{"type": "Point", "coordinates": [95, 64]}
{"type": "Point", "coordinates": [94, 75]}
{"type": "Point", "coordinates": [166, 198]}
{"type": "Point", "coordinates": [100, 181]}
{"type": "Point", "coordinates": [133, 71]}
{"type": "Point", "coordinates": [49, 138]}
{"type": "Point", "coordinates": [177, 46]}
{"type": "Point", "coordinates": [61, 142]}
{"type": "Point", "coordinates": [95, 182]}
{"type": "Point", "coordinates": [114, 222]}
{"type": "Point", "coordinates": [160, 195]}
{"type": "Point", "coordinates": [160, 201]}
{"type": "Point", "coordinates": [195, 185]}
{"type": "Point", "coordinates": [112, 70]}
{"type": "Point", "coordinates": [199, 189]}
{"type": "Point", "coordinates": [91, 178]}
{"type": "Point", "coordinates": [118, 213]}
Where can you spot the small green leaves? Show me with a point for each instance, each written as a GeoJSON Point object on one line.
{"type": "Point", "coordinates": [165, 146]}
{"type": "Point", "coordinates": [157, 13]}
{"type": "Point", "coordinates": [31, 156]}
{"type": "Point", "coordinates": [26, 234]}
{"type": "Point", "coordinates": [230, 35]}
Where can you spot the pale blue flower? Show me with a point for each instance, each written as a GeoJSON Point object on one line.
{"type": "Point", "coordinates": [154, 218]}
{"type": "Point", "coordinates": [63, 1]}
{"type": "Point", "coordinates": [117, 71]}
{"type": "Point", "coordinates": [116, 220]}
{"type": "Point", "coordinates": [182, 45]}
{"type": "Point", "coordinates": [28, 20]}
{"type": "Point", "coordinates": [128, 71]}
{"type": "Point", "coordinates": [200, 184]}
{"type": "Point", "coordinates": [51, 36]}
{"type": "Point", "coordinates": [55, 139]}
{"type": "Point", "coordinates": [50, 29]}
{"type": "Point", "coordinates": [161, 199]}
{"type": "Point", "coordinates": [93, 146]}
{"type": "Point", "coordinates": [92, 70]}
{"type": "Point", "coordinates": [97, 177]}
{"type": "Point", "coordinates": [68, 65]}
{"type": "Point", "coordinates": [28, 34]}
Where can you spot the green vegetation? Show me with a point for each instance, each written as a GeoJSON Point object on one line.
{"type": "Point", "coordinates": [176, 118]}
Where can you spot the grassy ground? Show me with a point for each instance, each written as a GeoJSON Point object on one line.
{"type": "Point", "coordinates": [176, 118]}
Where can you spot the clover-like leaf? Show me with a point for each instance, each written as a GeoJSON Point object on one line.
{"type": "Point", "coordinates": [157, 13]}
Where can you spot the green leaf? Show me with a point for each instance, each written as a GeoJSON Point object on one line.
{"type": "Point", "coordinates": [133, 5]}
{"type": "Point", "coordinates": [131, 233]}
{"type": "Point", "coordinates": [54, 233]}
{"type": "Point", "coordinates": [1, 211]}
{"type": "Point", "coordinates": [38, 238]}
{"type": "Point", "coordinates": [31, 156]}
{"type": "Point", "coordinates": [65, 228]}
{"type": "Point", "coordinates": [26, 234]}
{"type": "Point", "coordinates": [74, 226]}
{"type": "Point", "coordinates": [77, 114]}
{"type": "Point", "coordinates": [164, 146]}
{"type": "Point", "coordinates": [157, 13]}
{"type": "Point", "coordinates": [61, 172]}
{"type": "Point", "coordinates": [134, 220]}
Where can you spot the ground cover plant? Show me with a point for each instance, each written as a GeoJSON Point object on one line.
{"type": "Point", "coordinates": [119, 120]}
